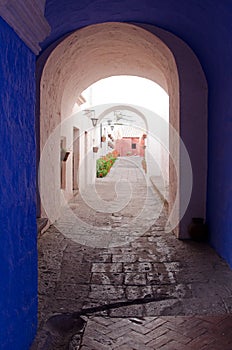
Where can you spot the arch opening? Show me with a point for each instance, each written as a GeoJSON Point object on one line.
{"type": "Point", "coordinates": [97, 52]}
{"type": "Point", "coordinates": [135, 129]}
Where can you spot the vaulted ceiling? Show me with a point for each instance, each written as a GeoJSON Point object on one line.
{"type": "Point", "coordinates": [204, 25]}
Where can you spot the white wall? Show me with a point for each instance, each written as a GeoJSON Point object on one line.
{"type": "Point", "coordinates": [157, 128]}
{"type": "Point", "coordinates": [88, 137]}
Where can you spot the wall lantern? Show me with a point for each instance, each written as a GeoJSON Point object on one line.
{"type": "Point", "coordinates": [91, 113]}
{"type": "Point", "coordinates": [110, 124]}
{"type": "Point", "coordinates": [94, 121]}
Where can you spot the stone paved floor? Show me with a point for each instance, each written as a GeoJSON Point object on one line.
{"type": "Point", "coordinates": [109, 257]}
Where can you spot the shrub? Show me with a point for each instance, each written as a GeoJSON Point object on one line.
{"type": "Point", "coordinates": [105, 163]}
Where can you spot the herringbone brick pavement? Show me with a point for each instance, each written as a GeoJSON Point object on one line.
{"type": "Point", "coordinates": [158, 333]}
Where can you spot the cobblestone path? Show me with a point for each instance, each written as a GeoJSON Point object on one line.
{"type": "Point", "coordinates": [110, 260]}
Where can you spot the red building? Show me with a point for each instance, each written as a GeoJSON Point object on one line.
{"type": "Point", "coordinates": [128, 146]}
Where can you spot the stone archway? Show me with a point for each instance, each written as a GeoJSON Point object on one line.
{"type": "Point", "coordinates": [104, 50]}
{"type": "Point", "coordinates": [123, 107]}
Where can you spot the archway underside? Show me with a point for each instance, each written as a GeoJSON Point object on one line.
{"type": "Point", "coordinates": [97, 52]}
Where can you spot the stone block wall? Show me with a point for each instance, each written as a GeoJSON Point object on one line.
{"type": "Point", "coordinates": [18, 251]}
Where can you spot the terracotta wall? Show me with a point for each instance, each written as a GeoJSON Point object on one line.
{"type": "Point", "coordinates": [124, 146]}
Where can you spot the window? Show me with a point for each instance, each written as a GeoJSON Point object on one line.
{"type": "Point", "coordinates": [133, 145]}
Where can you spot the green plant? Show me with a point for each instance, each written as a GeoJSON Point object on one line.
{"type": "Point", "coordinates": [105, 163]}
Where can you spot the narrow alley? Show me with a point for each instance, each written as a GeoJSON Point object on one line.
{"type": "Point", "coordinates": [111, 277]}
{"type": "Point", "coordinates": [107, 263]}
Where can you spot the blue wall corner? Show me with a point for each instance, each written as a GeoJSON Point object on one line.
{"type": "Point", "coordinates": [18, 234]}
{"type": "Point", "coordinates": [219, 201]}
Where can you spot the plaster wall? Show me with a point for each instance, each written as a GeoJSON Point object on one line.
{"type": "Point", "coordinates": [18, 234]}
{"type": "Point", "coordinates": [94, 53]}
{"type": "Point", "coordinates": [124, 146]}
{"type": "Point", "coordinates": [192, 127]}
{"type": "Point", "coordinates": [219, 208]}
{"type": "Point", "coordinates": [52, 196]}
{"type": "Point", "coordinates": [110, 49]}
{"type": "Point", "coordinates": [87, 158]}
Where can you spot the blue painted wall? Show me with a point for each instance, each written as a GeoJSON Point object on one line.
{"type": "Point", "coordinates": [18, 252]}
{"type": "Point", "coordinates": [206, 26]}
{"type": "Point", "coordinates": [219, 208]}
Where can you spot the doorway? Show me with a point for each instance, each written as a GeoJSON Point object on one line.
{"type": "Point", "coordinates": [76, 158]}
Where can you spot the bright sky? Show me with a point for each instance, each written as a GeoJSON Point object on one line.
{"type": "Point", "coordinates": [129, 90]}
